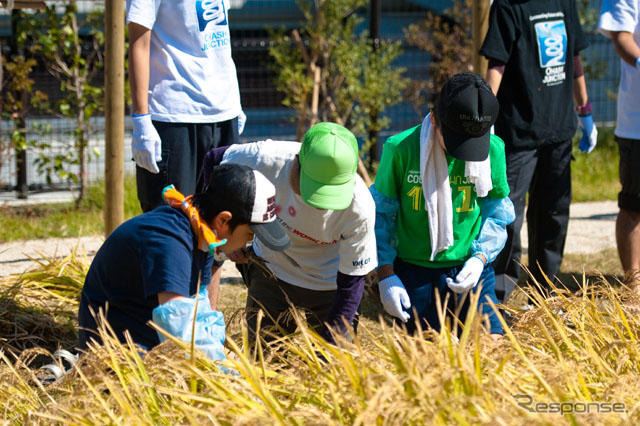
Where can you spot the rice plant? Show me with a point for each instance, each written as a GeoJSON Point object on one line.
{"type": "Point", "coordinates": [572, 359]}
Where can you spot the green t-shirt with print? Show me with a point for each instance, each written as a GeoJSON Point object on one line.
{"type": "Point", "coordinates": [399, 178]}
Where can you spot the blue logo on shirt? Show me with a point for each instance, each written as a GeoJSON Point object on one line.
{"type": "Point", "coordinates": [552, 43]}
{"type": "Point", "coordinates": [210, 11]}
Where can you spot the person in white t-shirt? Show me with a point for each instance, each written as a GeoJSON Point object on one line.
{"type": "Point", "coordinates": [184, 92]}
{"type": "Point", "coordinates": [620, 20]}
{"type": "Point", "coordinates": [328, 214]}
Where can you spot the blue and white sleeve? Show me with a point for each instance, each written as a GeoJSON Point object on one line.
{"type": "Point", "coordinates": [386, 210]}
{"type": "Point", "coordinates": [496, 215]}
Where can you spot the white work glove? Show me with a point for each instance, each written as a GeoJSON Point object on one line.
{"type": "Point", "coordinates": [589, 133]}
{"type": "Point", "coordinates": [145, 143]}
{"type": "Point", "coordinates": [394, 297]}
{"type": "Point", "coordinates": [242, 119]}
{"type": "Point", "coordinates": [468, 277]}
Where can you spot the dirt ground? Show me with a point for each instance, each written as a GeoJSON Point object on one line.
{"type": "Point", "coordinates": [591, 230]}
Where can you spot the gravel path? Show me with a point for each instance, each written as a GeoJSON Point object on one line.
{"type": "Point", "coordinates": [591, 229]}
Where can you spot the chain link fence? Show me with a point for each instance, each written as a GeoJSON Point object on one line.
{"type": "Point", "coordinates": [266, 116]}
{"type": "Point", "coordinates": [58, 140]}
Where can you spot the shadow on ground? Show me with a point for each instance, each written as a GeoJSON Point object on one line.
{"type": "Point", "coordinates": [23, 327]}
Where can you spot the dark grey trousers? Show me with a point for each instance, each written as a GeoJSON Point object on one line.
{"type": "Point", "coordinates": [275, 297]}
{"type": "Point", "coordinates": [545, 174]}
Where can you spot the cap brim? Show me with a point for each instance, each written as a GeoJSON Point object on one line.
{"type": "Point", "coordinates": [329, 197]}
{"type": "Point", "coordinates": [464, 147]}
{"type": "Point", "coordinates": [271, 235]}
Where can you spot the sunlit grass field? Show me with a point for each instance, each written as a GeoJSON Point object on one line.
{"type": "Point", "coordinates": [64, 219]}
{"type": "Point", "coordinates": [576, 351]}
{"type": "Point", "coordinates": [594, 176]}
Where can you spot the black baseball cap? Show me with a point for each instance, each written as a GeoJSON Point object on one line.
{"type": "Point", "coordinates": [466, 109]}
{"type": "Point", "coordinates": [252, 197]}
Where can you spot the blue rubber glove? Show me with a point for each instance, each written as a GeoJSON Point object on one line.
{"type": "Point", "coordinates": [394, 297]}
{"type": "Point", "coordinates": [589, 133]}
{"type": "Point", "coordinates": [145, 143]}
{"type": "Point", "coordinates": [176, 317]}
{"type": "Point", "coordinates": [242, 119]}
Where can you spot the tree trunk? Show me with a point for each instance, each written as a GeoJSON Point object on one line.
{"type": "Point", "coordinates": [81, 146]}
{"type": "Point", "coordinates": [1, 106]}
{"type": "Point", "coordinates": [315, 97]}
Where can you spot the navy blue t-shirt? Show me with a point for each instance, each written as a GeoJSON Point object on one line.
{"type": "Point", "coordinates": [148, 254]}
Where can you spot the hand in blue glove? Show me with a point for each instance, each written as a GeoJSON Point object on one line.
{"type": "Point", "coordinates": [145, 143]}
{"type": "Point", "coordinates": [242, 119]}
{"type": "Point", "coordinates": [176, 317]}
{"type": "Point", "coordinates": [589, 133]}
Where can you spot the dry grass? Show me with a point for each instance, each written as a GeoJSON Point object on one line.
{"type": "Point", "coordinates": [580, 347]}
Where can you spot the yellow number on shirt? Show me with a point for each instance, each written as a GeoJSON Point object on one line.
{"type": "Point", "coordinates": [416, 194]}
{"type": "Point", "coordinates": [466, 199]}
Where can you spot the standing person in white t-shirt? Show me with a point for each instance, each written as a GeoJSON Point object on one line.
{"type": "Point", "coordinates": [184, 92]}
{"type": "Point", "coordinates": [329, 216]}
{"type": "Point", "coordinates": [620, 20]}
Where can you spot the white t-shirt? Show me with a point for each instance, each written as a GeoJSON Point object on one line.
{"type": "Point", "coordinates": [624, 15]}
{"type": "Point", "coordinates": [323, 242]}
{"type": "Point", "coordinates": [192, 75]}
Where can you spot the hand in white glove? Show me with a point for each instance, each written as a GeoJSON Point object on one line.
{"type": "Point", "coordinates": [145, 143]}
{"type": "Point", "coordinates": [242, 119]}
{"type": "Point", "coordinates": [468, 277]}
{"type": "Point", "coordinates": [394, 297]}
{"type": "Point", "coordinates": [589, 133]}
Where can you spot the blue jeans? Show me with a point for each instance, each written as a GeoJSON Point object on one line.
{"type": "Point", "coordinates": [421, 282]}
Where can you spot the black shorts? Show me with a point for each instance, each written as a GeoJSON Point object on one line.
{"type": "Point", "coordinates": [629, 197]}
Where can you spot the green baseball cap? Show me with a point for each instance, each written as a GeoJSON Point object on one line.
{"type": "Point", "coordinates": [328, 163]}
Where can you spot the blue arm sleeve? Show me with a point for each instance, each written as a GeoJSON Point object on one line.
{"type": "Point", "coordinates": [496, 215]}
{"type": "Point", "coordinates": [386, 210]}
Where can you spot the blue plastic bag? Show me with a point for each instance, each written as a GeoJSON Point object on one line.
{"type": "Point", "coordinates": [176, 317]}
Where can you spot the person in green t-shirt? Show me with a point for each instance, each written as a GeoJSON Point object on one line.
{"type": "Point", "coordinates": [442, 208]}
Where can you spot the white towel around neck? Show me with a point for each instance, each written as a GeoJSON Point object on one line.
{"type": "Point", "coordinates": [434, 171]}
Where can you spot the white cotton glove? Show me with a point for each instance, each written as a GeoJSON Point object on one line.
{"type": "Point", "coordinates": [394, 297]}
{"type": "Point", "coordinates": [145, 143]}
{"type": "Point", "coordinates": [589, 133]}
{"type": "Point", "coordinates": [468, 277]}
{"type": "Point", "coordinates": [242, 119]}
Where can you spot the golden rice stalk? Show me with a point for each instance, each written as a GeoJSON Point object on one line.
{"type": "Point", "coordinates": [570, 348]}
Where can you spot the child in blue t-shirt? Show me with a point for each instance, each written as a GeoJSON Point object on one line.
{"type": "Point", "coordinates": [149, 267]}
